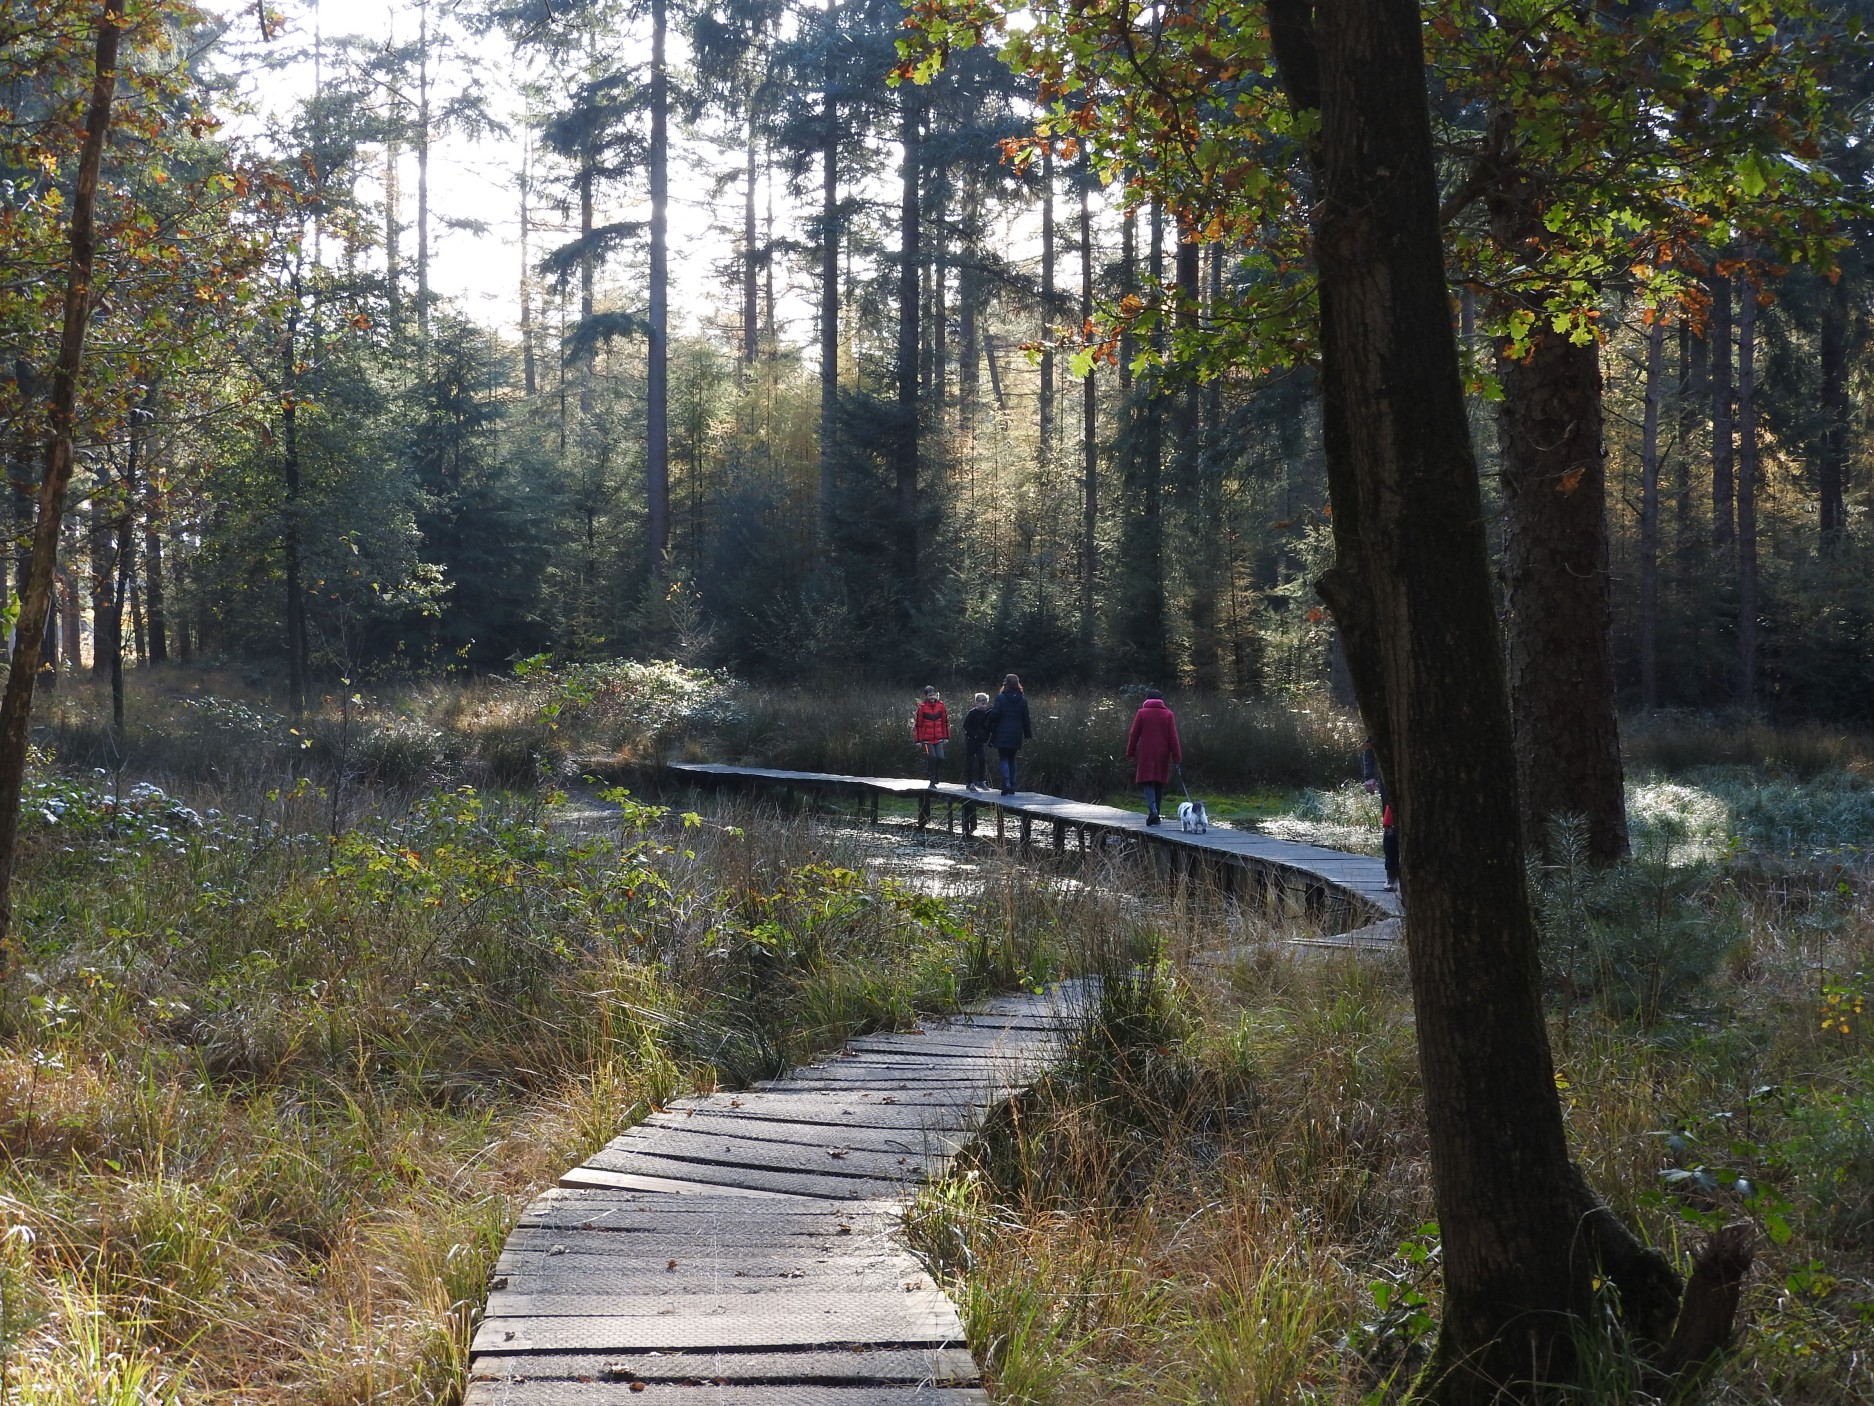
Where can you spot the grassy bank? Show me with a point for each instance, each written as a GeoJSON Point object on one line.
{"type": "Point", "coordinates": [1224, 1195]}
{"type": "Point", "coordinates": [269, 1100]}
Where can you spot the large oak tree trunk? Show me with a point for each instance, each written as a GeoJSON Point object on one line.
{"type": "Point", "coordinates": [36, 590]}
{"type": "Point", "coordinates": [1411, 593]}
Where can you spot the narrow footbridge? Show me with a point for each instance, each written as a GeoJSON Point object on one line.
{"type": "Point", "coordinates": [1347, 889]}
{"type": "Point", "coordinates": [742, 1249]}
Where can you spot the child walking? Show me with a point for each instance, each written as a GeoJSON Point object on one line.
{"type": "Point", "coordinates": [976, 727]}
{"type": "Point", "coordinates": [931, 730]}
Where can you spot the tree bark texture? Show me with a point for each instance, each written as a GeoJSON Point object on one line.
{"type": "Point", "coordinates": [36, 594]}
{"type": "Point", "coordinates": [829, 275]}
{"type": "Point", "coordinates": [296, 650]}
{"type": "Point", "coordinates": [1832, 462]}
{"type": "Point", "coordinates": [1411, 592]}
{"type": "Point", "coordinates": [657, 371]}
{"type": "Point", "coordinates": [1044, 443]}
{"type": "Point", "coordinates": [1560, 605]}
{"type": "Point", "coordinates": [909, 256]}
{"type": "Point", "coordinates": [1694, 400]}
{"type": "Point", "coordinates": [1723, 506]}
{"type": "Point", "coordinates": [1747, 494]}
{"type": "Point", "coordinates": [1649, 515]}
{"type": "Point", "coordinates": [1089, 445]}
{"type": "Point", "coordinates": [751, 253]}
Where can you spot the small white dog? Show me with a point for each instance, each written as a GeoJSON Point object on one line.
{"type": "Point", "coordinates": [1191, 818]}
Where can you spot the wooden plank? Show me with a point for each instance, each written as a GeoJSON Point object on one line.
{"type": "Point", "coordinates": [729, 1151]}
{"type": "Point", "coordinates": [925, 1142]}
{"type": "Point", "coordinates": [813, 1302]}
{"type": "Point", "coordinates": [636, 1170]}
{"type": "Point", "coordinates": [624, 1392]}
{"type": "Point", "coordinates": [844, 1366]}
{"type": "Point", "coordinates": [692, 1269]}
{"type": "Point", "coordinates": [805, 1320]}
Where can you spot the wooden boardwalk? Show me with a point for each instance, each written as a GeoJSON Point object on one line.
{"type": "Point", "coordinates": [741, 1249]}
{"type": "Point", "coordinates": [1348, 887]}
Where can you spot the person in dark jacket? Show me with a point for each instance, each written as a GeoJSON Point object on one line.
{"type": "Point", "coordinates": [1009, 727]}
{"type": "Point", "coordinates": [1388, 832]}
{"type": "Point", "coordinates": [1153, 741]}
{"type": "Point", "coordinates": [976, 727]}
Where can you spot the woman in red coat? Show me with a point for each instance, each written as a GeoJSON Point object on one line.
{"type": "Point", "coordinates": [930, 729]}
{"type": "Point", "coordinates": [1154, 742]}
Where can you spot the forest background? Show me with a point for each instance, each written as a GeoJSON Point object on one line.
{"type": "Point", "coordinates": [1019, 441]}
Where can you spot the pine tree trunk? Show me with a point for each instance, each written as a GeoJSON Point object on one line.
{"type": "Point", "coordinates": [1128, 283]}
{"type": "Point", "coordinates": [829, 276]}
{"type": "Point", "coordinates": [422, 172]}
{"type": "Point", "coordinates": [36, 596]}
{"type": "Point", "coordinates": [657, 372]}
{"type": "Point", "coordinates": [751, 253]}
{"type": "Point", "coordinates": [1723, 504]}
{"type": "Point", "coordinates": [296, 650]}
{"type": "Point", "coordinates": [1694, 402]}
{"type": "Point", "coordinates": [1411, 591]}
{"type": "Point", "coordinates": [529, 372]}
{"type": "Point", "coordinates": [101, 551]}
{"type": "Point", "coordinates": [1747, 480]}
{"type": "Point", "coordinates": [1649, 515]}
{"type": "Point", "coordinates": [1089, 447]}
{"type": "Point", "coordinates": [1832, 462]}
{"type": "Point", "coordinates": [969, 281]}
{"type": "Point", "coordinates": [393, 231]}
{"type": "Point", "coordinates": [1044, 444]}
{"type": "Point", "coordinates": [909, 257]}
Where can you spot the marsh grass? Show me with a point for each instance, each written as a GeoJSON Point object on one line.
{"type": "Point", "coordinates": [270, 1098]}
{"type": "Point", "coordinates": [1223, 1194]}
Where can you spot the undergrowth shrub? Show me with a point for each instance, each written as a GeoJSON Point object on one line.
{"type": "Point", "coordinates": [270, 1097]}
{"type": "Point", "coordinates": [1641, 937]}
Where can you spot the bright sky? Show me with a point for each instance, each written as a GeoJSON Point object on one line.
{"type": "Point", "coordinates": [476, 180]}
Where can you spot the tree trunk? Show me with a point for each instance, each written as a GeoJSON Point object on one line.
{"type": "Point", "coordinates": [422, 172]}
{"type": "Point", "coordinates": [529, 373]}
{"type": "Point", "coordinates": [155, 592]}
{"type": "Point", "coordinates": [1089, 446]}
{"type": "Point", "coordinates": [296, 652]}
{"type": "Point", "coordinates": [1649, 514]}
{"type": "Point", "coordinates": [1723, 530]}
{"type": "Point", "coordinates": [1747, 493]}
{"type": "Point", "coordinates": [1555, 569]}
{"type": "Point", "coordinates": [1694, 400]}
{"type": "Point", "coordinates": [969, 282]}
{"type": "Point", "coordinates": [1044, 444]}
{"type": "Point", "coordinates": [908, 342]}
{"type": "Point", "coordinates": [101, 552]}
{"type": "Point", "coordinates": [657, 372]}
{"type": "Point", "coordinates": [1411, 592]}
{"type": "Point", "coordinates": [751, 253]}
{"type": "Point", "coordinates": [829, 275]}
{"type": "Point", "coordinates": [393, 230]}
{"type": "Point", "coordinates": [1128, 283]}
{"type": "Point", "coordinates": [1832, 462]}
{"type": "Point", "coordinates": [36, 598]}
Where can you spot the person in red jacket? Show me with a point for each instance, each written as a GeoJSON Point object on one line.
{"type": "Point", "coordinates": [1153, 742]}
{"type": "Point", "coordinates": [931, 729]}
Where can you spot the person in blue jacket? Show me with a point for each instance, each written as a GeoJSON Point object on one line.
{"type": "Point", "coordinates": [1009, 727]}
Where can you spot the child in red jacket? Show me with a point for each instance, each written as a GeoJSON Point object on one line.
{"type": "Point", "coordinates": [931, 729]}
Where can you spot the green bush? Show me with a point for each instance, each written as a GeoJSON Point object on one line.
{"type": "Point", "coordinates": [1641, 937]}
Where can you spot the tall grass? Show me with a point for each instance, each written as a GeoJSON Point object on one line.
{"type": "Point", "coordinates": [1224, 1194]}
{"type": "Point", "coordinates": [270, 1098]}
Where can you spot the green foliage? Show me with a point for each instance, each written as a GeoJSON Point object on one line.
{"type": "Point", "coordinates": [1641, 937]}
